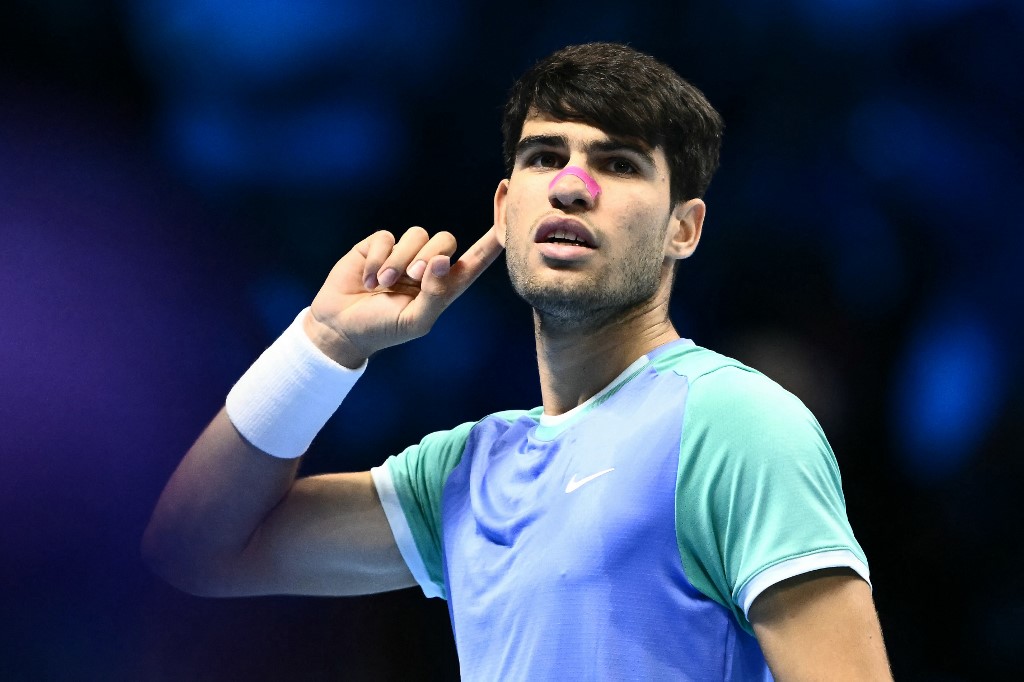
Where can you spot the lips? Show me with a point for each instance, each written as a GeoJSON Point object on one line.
{"type": "Point", "coordinates": [564, 231]}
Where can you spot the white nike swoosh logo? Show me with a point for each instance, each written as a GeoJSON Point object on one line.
{"type": "Point", "coordinates": [573, 484]}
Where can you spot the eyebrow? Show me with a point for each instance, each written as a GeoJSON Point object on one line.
{"type": "Point", "coordinates": [610, 145]}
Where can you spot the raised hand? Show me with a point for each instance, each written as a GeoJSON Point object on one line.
{"type": "Point", "coordinates": [383, 293]}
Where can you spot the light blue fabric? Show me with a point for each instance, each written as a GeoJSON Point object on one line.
{"type": "Point", "coordinates": [564, 551]}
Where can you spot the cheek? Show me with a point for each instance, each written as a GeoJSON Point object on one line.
{"type": "Point", "coordinates": [648, 228]}
{"type": "Point", "coordinates": [511, 219]}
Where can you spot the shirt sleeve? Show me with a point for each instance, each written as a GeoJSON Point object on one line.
{"type": "Point", "coordinates": [758, 498]}
{"type": "Point", "coordinates": [410, 487]}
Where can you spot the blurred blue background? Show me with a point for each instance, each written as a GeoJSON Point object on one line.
{"type": "Point", "coordinates": [177, 177]}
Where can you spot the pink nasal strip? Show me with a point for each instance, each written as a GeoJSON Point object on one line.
{"type": "Point", "coordinates": [590, 182]}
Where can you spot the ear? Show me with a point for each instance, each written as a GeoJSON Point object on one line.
{"type": "Point", "coordinates": [500, 195]}
{"type": "Point", "coordinates": [684, 230]}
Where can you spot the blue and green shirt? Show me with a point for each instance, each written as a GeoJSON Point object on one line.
{"type": "Point", "coordinates": [627, 538]}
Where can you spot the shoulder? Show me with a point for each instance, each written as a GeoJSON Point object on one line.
{"type": "Point", "coordinates": [757, 486]}
{"type": "Point", "coordinates": [736, 416]}
{"type": "Point", "coordinates": [724, 388]}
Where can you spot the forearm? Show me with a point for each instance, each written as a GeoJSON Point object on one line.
{"type": "Point", "coordinates": [218, 496]}
{"type": "Point", "coordinates": [209, 532]}
{"type": "Point", "coordinates": [233, 520]}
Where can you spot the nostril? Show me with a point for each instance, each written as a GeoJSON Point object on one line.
{"type": "Point", "coordinates": [574, 203]}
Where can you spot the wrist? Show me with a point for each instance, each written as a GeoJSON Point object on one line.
{"type": "Point", "coordinates": [331, 343]}
{"type": "Point", "coordinates": [289, 393]}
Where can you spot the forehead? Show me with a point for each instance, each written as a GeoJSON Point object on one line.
{"type": "Point", "coordinates": [580, 134]}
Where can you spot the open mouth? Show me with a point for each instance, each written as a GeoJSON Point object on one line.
{"type": "Point", "coordinates": [567, 237]}
{"type": "Point", "coordinates": [566, 232]}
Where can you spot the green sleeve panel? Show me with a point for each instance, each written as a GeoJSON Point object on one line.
{"type": "Point", "coordinates": [419, 473]}
{"type": "Point", "coordinates": [757, 484]}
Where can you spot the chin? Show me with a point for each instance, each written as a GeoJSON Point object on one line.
{"type": "Point", "coordinates": [582, 306]}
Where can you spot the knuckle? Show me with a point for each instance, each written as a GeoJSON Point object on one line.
{"type": "Point", "coordinates": [418, 327]}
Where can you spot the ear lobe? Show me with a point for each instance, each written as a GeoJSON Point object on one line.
{"type": "Point", "coordinates": [685, 227]}
{"type": "Point", "coordinates": [500, 195]}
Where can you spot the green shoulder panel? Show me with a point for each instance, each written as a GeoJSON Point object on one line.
{"type": "Point", "coordinates": [757, 483]}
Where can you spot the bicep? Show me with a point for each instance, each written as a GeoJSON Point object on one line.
{"type": "Point", "coordinates": [820, 625]}
{"type": "Point", "coordinates": [328, 536]}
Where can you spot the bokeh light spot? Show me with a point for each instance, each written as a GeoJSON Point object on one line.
{"type": "Point", "coordinates": [947, 392]}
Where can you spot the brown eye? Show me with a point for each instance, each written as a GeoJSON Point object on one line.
{"type": "Point", "coordinates": [545, 160]}
{"type": "Point", "coordinates": [622, 167]}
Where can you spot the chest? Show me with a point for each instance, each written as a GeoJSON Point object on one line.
{"type": "Point", "coordinates": [592, 503]}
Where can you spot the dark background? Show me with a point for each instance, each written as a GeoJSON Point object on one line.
{"type": "Point", "coordinates": [178, 176]}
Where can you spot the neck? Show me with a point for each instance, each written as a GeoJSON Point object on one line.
{"type": "Point", "coordinates": [576, 362]}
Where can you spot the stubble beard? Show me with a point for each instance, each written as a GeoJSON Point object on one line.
{"type": "Point", "coordinates": [589, 303]}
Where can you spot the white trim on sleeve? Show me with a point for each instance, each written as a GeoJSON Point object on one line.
{"type": "Point", "coordinates": [400, 529]}
{"type": "Point", "coordinates": [793, 567]}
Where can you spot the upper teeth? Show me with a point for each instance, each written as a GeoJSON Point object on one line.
{"type": "Point", "coordinates": [565, 234]}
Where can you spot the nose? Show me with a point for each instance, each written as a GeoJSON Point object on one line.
{"type": "Point", "coordinates": [573, 186]}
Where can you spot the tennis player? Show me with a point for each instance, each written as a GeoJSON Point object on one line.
{"type": "Point", "coordinates": [668, 513]}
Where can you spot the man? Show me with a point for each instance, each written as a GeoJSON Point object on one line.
{"type": "Point", "coordinates": [668, 513]}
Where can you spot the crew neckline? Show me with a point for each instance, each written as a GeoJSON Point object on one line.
{"type": "Point", "coordinates": [555, 421]}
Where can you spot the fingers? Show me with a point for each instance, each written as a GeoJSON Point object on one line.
{"type": "Point", "coordinates": [387, 260]}
{"type": "Point", "coordinates": [376, 248]}
{"type": "Point", "coordinates": [441, 244]}
{"type": "Point", "coordinates": [443, 281]}
{"type": "Point", "coordinates": [425, 262]}
{"type": "Point", "coordinates": [401, 255]}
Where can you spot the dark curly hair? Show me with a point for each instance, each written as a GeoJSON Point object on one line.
{"type": "Point", "coordinates": [627, 94]}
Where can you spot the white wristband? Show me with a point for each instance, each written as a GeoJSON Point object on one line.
{"type": "Point", "coordinates": [289, 393]}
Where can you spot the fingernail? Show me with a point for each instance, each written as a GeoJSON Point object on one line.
{"type": "Point", "coordinates": [370, 282]}
{"type": "Point", "coordinates": [388, 277]}
{"type": "Point", "coordinates": [416, 269]}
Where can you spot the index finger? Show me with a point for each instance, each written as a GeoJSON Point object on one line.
{"type": "Point", "coordinates": [472, 263]}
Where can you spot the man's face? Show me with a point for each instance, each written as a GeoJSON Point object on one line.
{"type": "Point", "coordinates": [577, 258]}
